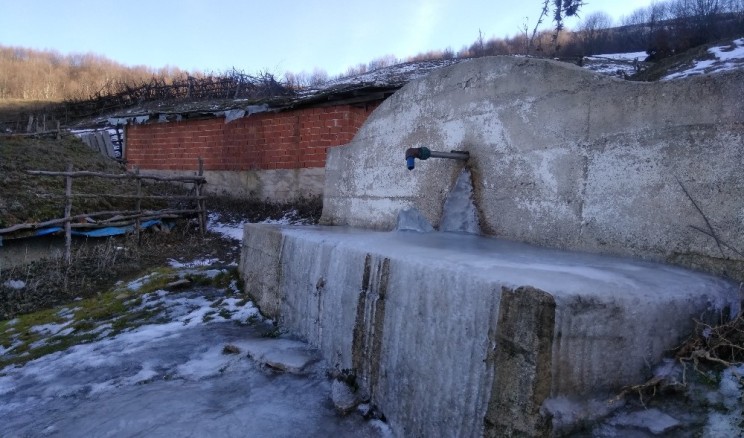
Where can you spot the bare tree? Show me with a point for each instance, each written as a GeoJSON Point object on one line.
{"type": "Point", "coordinates": [381, 62]}
{"type": "Point", "coordinates": [594, 32]}
{"type": "Point", "coordinates": [318, 77]}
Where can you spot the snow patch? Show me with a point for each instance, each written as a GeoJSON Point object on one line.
{"type": "Point", "coordinates": [191, 264]}
{"type": "Point", "coordinates": [726, 58]}
{"type": "Point", "coordinates": [632, 56]}
{"type": "Point", "coordinates": [52, 329]}
{"type": "Point", "coordinates": [234, 230]}
{"type": "Point", "coordinates": [137, 284]}
{"type": "Point", "coordinates": [15, 284]}
{"type": "Point", "coordinates": [652, 420]}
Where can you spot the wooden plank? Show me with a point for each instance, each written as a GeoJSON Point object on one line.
{"type": "Point", "coordinates": [130, 214]}
{"type": "Point", "coordinates": [105, 195]}
{"type": "Point", "coordinates": [68, 211]}
{"type": "Point", "coordinates": [90, 140]}
{"type": "Point", "coordinates": [138, 206]}
{"type": "Point", "coordinates": [108, 145]}
{"type": "Point", "coordinates": [99, 143]}
{"type": "Point", "coordinates": [84, 140]}
{"type": "Point", "coordinates": [201, 204]}
{"type": "Point", "coordinates": [83, 173]}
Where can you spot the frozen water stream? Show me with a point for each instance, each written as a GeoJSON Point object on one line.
{"type": "Point", "coordinates": [172, 378]}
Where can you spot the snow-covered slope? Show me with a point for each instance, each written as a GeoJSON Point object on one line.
{"type": "Point", "coordinates": [720, 58]}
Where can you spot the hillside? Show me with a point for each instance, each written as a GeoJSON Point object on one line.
{"type": "Point", "coordinates": [28, 199]}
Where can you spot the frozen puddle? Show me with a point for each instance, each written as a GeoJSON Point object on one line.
{"type": "Point", "coordinates": [179, 378]}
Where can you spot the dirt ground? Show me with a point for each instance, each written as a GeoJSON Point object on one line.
{"type": "Point", "coordinates": [97, 267]}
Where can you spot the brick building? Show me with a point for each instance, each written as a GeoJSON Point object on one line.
{"type": "Point", "coordinates": [274, 150]}
{"type": "Point", "coordinates": [276, 155]}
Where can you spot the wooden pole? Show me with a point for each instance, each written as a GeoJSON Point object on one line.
{"type": "Point", "coordinates": [138, 205]}
{"type": "Point", "coordinates": [113, 175]}
{"type": "Point", "coordinates": [201, 203]}
{"type": "Point", "coordinates": [68, 219]}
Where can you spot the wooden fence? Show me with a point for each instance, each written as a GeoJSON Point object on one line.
{"type": "Point", "coordinates": [119, 217]}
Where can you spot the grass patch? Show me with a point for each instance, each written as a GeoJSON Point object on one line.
{"type": "Point", "coordinates": [674, 63]}
{"type": "Point", "coordinates": [224, 278]}
{"type": "Point", "coordinates": [209, 316]}
{"type": "Point", "coordinates": [121, 307]}
{"type": "Point", "coordinates": [28, 199]}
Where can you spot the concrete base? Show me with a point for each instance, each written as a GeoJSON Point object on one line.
{"type": "Point", "coordinates": [561, 157]}
{"type": "Point", "coordinates": [461, 335]}
{"type": "Point", "coordinates": [277, 185]}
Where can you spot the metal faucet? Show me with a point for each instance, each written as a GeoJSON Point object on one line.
{"type": "Point", "coordinates": [424, 153]}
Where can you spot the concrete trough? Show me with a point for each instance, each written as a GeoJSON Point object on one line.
{"type": "Point", "coordinates": [462, 335]}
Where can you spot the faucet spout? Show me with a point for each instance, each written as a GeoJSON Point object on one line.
{"type": "Point", "coordinates": [424, 153]}
{"type": "Point", "coordinates": [421, 153]}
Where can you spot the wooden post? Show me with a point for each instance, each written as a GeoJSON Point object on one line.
{"type": "Point", "coordinates": [68, 213]}
{"type": "Point", "coordinates": [138, 205]}
{"type": "Point", "coordinates": [200, 203]}
{"type": "Point", "coordinates": [59, 133]}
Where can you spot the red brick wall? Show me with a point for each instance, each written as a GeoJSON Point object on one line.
{"type": "Point", "coordinates": [285, 140]}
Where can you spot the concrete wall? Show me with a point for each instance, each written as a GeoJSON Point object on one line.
{"type": "Point", "coordinates": [561, 157]}
{"type": "Point", "coordinates": [268, 155]}
{"type": "Point", "coordinates": [278, 185]}
{"type": "Point", "coordinates": [459, 335]}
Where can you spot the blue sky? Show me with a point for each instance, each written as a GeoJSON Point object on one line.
{"type": "Point", "coordinates": [268, 35]}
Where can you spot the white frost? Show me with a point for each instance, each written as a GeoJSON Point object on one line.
{"type": "Point", "coordinates": [15, 284]}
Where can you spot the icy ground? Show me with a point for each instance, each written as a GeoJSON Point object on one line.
{"type": "Point", "coordinates": [205, 363]}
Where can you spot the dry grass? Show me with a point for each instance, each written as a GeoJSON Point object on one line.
{"type": "Point", "coordinates": [237, 210]}
{"type": "Point", "coordinates": [27, 199]}
{"type": "Point", "coordinates": [714, 345]}
{"type": "Point", "coordinates": [98, 264]}
{"type": "Point", "coordinates": [708, 350]}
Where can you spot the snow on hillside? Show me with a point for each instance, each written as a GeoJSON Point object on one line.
{"type": "Point", "coordinates": [722, 58]}
{"type": "Point", "coordinates": [623, 65]}
{"type": "Point", "coordinates": [717, 59]}
{"type": "Point", "coordinates": [615, 64]}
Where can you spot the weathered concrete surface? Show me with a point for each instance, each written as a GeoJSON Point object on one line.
{"type": "Point", "coordinates": [561, 157]}
{"type": "Point", "coordinates": [278, 185]}
{"type": "Point", "coordinates": [523, 344]}
{"type": "Point", "coordinates": [463, 335]}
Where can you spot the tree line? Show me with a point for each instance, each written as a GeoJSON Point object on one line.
{"type": "Point", "coordinates": [661, 29]}
{"type": "Point", "coordinates": [47, 75]}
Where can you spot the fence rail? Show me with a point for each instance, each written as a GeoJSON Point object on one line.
{"type": "Point", "coordinates": [118, 217]}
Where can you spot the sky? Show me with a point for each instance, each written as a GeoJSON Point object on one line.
{"type": "Point", "coordinates": [272, 36]}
